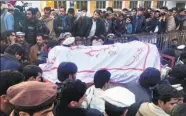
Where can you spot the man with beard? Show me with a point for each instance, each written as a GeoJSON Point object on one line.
{"type": "Point", "coordinates": [20, 39]}
{"type": "Point", "coordinates": [96, 25]}
{"type": "Point", "coordinates": [32, 26]}
{"type": "Point", "coordinates": [61, 23]}
{"type": "Point", "coordinates": [80, 24]}
{"type": "Point", "coordinates": [48, 20]}
{"type": "Point", "coordinates": [8, 78]}
{"type": "Point", "coordinates": [38, 52]}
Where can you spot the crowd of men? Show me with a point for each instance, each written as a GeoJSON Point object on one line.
{"type": "Point", "coordinates": [28, 37]}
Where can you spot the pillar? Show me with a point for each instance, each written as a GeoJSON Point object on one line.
{"type": "Point", "coordinates": [50, 4]}
{"type": "Point", "coordinates": [92, 6]}
{"type": "Point", "coordinates": [155, 3]}
{"type": "Point", "coordinates": [127, 4]}
{"type": "Point", "coordinates": [110, 3]}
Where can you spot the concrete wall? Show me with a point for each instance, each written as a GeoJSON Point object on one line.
{"type": "Point", "coordinates": [171, 4]}
{"type": "Point", "coordinates": [35, 4]}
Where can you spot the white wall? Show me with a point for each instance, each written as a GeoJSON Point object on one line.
{"type": "Point", "coordinates": [34, 4]}
{"type": "Point", "coordinates": [171, 4]}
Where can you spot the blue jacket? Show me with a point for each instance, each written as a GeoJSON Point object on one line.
{"type": "Point", "coordinates": [9, 21]}
{"type": "Point", "coordinates": [138, 23]}
{"type": "Point", "coordinates": [62, 24]}
{"type": "Point", "coordinates": [129, 28]}
{"type": "Point", "coordinates": [9, 62]}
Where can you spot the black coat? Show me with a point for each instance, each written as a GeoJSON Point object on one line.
{"type": "Point", "coordinates": [3, 48]}
{"type": "Point", "coordinates": [9, 62]}
{"type": "Point", "coordinates": [2, 114]}
{"type": "Point", "coordinates": [100, 27]}
{"type": "Point", "coordinates": [77, 112]}
{"type": "Point", "coordinates": [110, 27]}
{"type": "Point", "coordinates": [62, 26]}
{"type": "Point", "coordinates": [80, 26]}
{"type": "Point", "coordinates": [138, 24]}
{"type": "Point", "coordinates": [31, 29]}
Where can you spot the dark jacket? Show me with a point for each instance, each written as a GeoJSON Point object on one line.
{"type": "Point", "coordinates": [2, 114]}
{"type": "Point", "coordinates": [110, 27]}
{"type": "Point", "coordinates": [80, 26]}
{"type": "Point", "coordinates": [62, 24]}
{"type": "Point", "coordinates": [3, 48]}
{"type": "Point", "coordinates": [9, 62]}
{"type": "Point", "coordinates": [151, 25]}
{"type": "Point", "coordinates": [179, 21]}
{"type": "Point", "coordinates": [100, 27]}
{"type": "Point", "coordinates": [26, 47]}
{"type": "Point", "coordinates": [138, 23]}
{"type": "Point", "coordinates": [119, 28]}
{"type": "Point", "coordinates": [19, 17]}
{"type": "Point", "coordinates": [31, 29]}
{"type": "Point", "coordinates": [144, 95]}
{"type": "Point", "coordinates": [77, 112]}
{"type": "Point", "coordinates": [162, 26]}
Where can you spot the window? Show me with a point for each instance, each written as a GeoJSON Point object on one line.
{"type": "Point", "coordinates": [117, 4]}
{"type": "Point", "coordinates": [160, 4]}
{"type": "Point", "coordinates": [81, 4]}
{"type": "Point", "coordinates": [133, 4]}
{"type": "Point", "coordinates": [100, 4]}
{"type": "Point", "coordinates": [58, 4]}
{"type": "Point", "coordinates": [147, 4]}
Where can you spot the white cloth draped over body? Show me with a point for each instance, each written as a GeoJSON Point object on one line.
{"type": "Point", "coordinates": [125, 61]}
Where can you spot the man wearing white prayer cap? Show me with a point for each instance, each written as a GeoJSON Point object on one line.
{"type": "Point", "coordinates": [20, 39]}
{"type": "Point", "coordinates": [117, 101]}
{"type": "Point", "coordinates": [68, 42]}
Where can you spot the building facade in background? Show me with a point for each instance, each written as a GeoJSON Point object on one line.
{"type": "Point", "coordinates": [116, 4]}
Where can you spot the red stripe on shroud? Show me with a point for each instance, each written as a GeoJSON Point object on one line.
{"type": "Point", "coordinates": [148, 51]}
{"type": "Point", "coordinates": [91, 71]}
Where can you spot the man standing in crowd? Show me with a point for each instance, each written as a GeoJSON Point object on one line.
{"type": "Point", "coordinates": [80, 24]}
{"type": "Point", "coordinates": [11, 57]}
{"type": "Point", "coordinates": [162, 19]}
{"type": "Point", "coordinates": [32, 73]}
{"type": "Point", "coordinates": [7, 19]}
{"type": "Point", "coordinates": [48, 20]}
{"type": "Point", "coordinates": [180, 19]}
{"type": "Point", "coordinates": [138, 21]}
{"type": "Point", "coordinates": [71, 97]}
{"type": "Point", "coordinates": [41, 97]}
{"type": "Point", "coordinates": [152, 25]}
{"type": "Point", "coordinates": [20, 39]}
{"type": "Point", "coordinates": [95, 92]}
{"type": "Point", "coordinates": [170, 21]}
{"type": "Point", "coordinates": [8, 78]}
{"type": "Point", "coordinates": [165, 97]}
{"type": "Point", "coordinates": [38, 52]}
{"type": "Point", "coordinates": [141, 88]}
{"type": "Point", "coordinates": [61, 24]}
{"type": "Point", "coordinates": [32, 26]}
{"type": "Point", "coordinates": [96, 26]}
{"type": "Point", "coordinates": [108, 24]}
{"type": "Point", "coordinates": [71, 16]}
